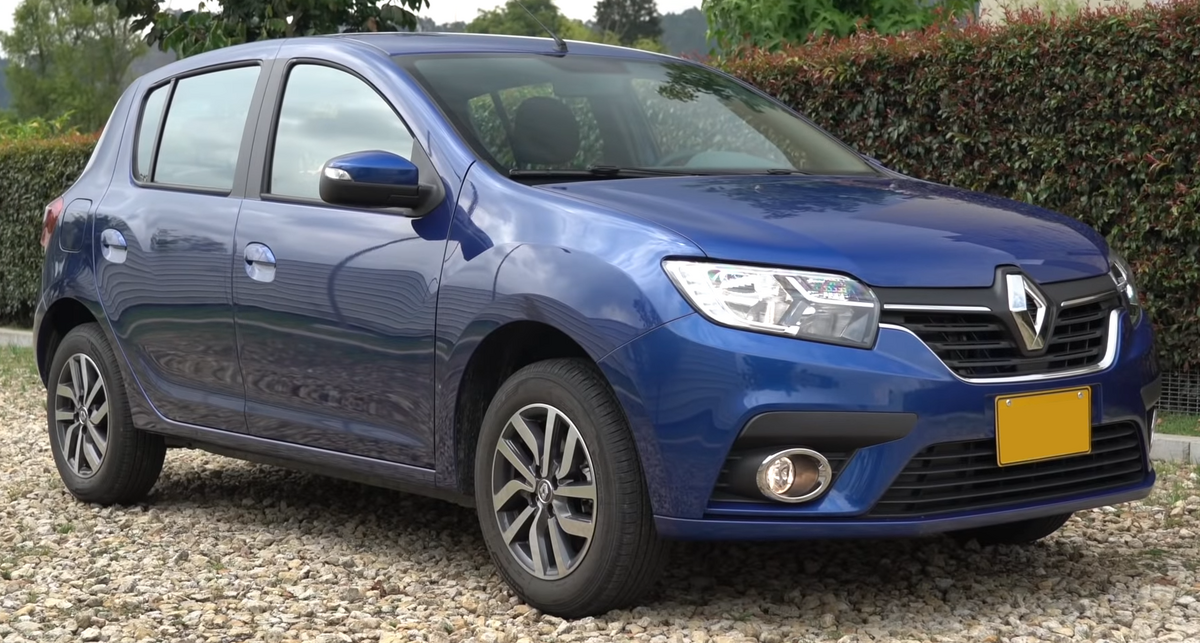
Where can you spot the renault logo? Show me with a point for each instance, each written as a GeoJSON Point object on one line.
{"type": "Point", "coordinates": [1028, 308]}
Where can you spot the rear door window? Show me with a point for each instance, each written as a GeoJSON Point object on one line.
{"type": "Point", "coordinates": [202, 136]}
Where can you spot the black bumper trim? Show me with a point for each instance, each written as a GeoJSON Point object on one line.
{"type": "Point", "coordinates": [824, 430]}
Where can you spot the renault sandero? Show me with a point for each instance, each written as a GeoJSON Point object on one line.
{"type": "Point", "coordinates": [608, 298]}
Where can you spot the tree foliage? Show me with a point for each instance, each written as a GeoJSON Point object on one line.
{"type": "Point", "coordinates": [629, 20]}
{"type": "Point", "coordinates": [68, 57]}
{"type": "Point", "coordinates": [514, 20]}
{"type": "Point", "coordinates": [770, 24]}
{"type": "Point", "coordinates": [239, 21]}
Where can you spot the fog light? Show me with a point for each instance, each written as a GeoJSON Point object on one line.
{"type": "Point", "coordinates": [795, 475]}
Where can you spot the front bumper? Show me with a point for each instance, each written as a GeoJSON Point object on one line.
{"type": "Point", "coordinates": [690, 389]}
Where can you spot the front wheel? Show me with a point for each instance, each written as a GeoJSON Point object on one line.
{"type": "Point", "coordinates": [561, 498]}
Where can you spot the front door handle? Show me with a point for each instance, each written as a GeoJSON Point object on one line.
{"type": "Point", "coordinates": [112, 246]}
{"type": "Point", "coordinates": [260, 262]}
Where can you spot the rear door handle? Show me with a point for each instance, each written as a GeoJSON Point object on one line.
{"type": "Point", "coordinates": [112, 246]}
{"type": "Point", "coordinates": [260, 262]}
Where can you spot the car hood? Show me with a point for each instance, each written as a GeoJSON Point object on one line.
{"type": "Point", "coordinates": [884, 231]}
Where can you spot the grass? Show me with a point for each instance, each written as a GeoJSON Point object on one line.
{"type": "Point", "coordinates": [18, 371]}
{"type": "Point", "coordinates": [1179, 425]}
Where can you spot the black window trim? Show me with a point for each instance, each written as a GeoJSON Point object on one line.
{"type": "Point", "coordinates": [427, 173]}
{"type": "Point", "coordinates": [239, 184]}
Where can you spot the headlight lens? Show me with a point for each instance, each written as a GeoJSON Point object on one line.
{"type": "Point", "coordinates": [810, 305]}
{"type": "Point", "coordinates": [1122, 274]}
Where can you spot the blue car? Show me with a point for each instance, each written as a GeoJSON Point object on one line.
{"type": "Point", "coordinates": [609, 299]}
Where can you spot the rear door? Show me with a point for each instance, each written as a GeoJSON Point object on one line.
{"type": "Point", "coordinates": [165, 242]}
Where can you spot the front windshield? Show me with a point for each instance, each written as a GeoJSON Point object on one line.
{"type": "Point", "coordinates": [579, 112]}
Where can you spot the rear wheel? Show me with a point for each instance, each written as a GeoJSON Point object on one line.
{"type": "Point", "coordinates": [561, 498]}
{"type": "Point", "coordinates": [100, 456]}
{"type": "Point", "coordinates": [1015, 533]}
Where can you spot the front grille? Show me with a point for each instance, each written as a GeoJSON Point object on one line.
{"type": "Point", "coordinates": [963, 476]}
{"type": "Point", "coordinates": [979, 345]}
{"type": "Point", "coordinates": [723, 493]}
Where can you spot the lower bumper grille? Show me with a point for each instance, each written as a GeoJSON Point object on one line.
{"type": "Point", "coordinates": [963, 476]}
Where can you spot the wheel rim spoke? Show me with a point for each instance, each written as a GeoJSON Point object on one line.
{"type": "Point", "coordinates": [517, 462]}
{"type": "Point", "coordinates": [65, 391]}
{"type": "Point", "coordinates": [510, 490]}
{"type": "Point", "coordinates": [527, 436]}
{"type": "Point", "coordinates": [91, 454]}
{"type": "Point", "coordinates": [77, 439]}
{"type": "Point", "coordinates": [64, 416]}
{"type": "Point", "coordinates": [568, 453]}
{"type": "Point", "coordinates": [558, 544]}
{"type": "Point", "coordinates": [537, 548]}
{"type": "Point", "coordinates": [76, 387]}
{"type": "Point", "coordinates": [548, 441]}
{"type": "Point", "coordinates": [91, 396]}
{"type": "Point", "coordinates": [99, 414]}
{"type": "Point", "coordinates": [98, 441]}
{"type": "Point", "coordinates": [576, 526]}
{"type": "Point", "coordinates": [544, 491]}
{"type": "Point", "coordinates": [579, 490]}
{"type": "Point", "coordinates": [67, 440]}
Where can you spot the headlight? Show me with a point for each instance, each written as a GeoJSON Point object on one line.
{"type": "Point", "coordinates": [1122, 274]}
{"type": "Point", "coordinates": [809, 305]}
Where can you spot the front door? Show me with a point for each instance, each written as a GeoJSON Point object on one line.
{"type": "Point", "coordinates": [335, 306]}
{"type": "Point", "coordinates": [164, 243]}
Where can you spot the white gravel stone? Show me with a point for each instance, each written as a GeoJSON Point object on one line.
{"type": "Point", "coordinates": [228, 551]}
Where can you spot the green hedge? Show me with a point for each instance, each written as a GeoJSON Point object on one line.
{"type": "Point", "coordinates": [1095, 116]}
{"type": "Point", "coordinates": [32, 173]}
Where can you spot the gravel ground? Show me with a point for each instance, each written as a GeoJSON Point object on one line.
{"type": "Point", "coordinates": [227, 551]}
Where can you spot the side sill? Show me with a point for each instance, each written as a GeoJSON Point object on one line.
{"type": "Point", "coordinates": [377, 473]}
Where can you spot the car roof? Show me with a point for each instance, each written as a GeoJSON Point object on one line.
{"type": "Point", "coordinates": [427, 42]}
{"type": "Point", "coordinates": [398, 44]}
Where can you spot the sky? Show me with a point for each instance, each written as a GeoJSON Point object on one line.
{"type": "Point", "coordinates": [440, 11]}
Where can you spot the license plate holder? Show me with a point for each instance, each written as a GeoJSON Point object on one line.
{"type": "Point", "coordinates": [1043, 425]}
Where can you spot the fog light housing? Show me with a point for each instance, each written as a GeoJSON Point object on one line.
{"type": "Point", "coordinates": [794, 475]}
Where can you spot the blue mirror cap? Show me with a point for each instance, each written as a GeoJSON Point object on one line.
{"type": "Point", "coordinates": [375, 166]}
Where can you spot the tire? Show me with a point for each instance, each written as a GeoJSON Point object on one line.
{"type": "Point", "coordinates": [1014, 533]}
{"type": "Point", "coordinates": [101, 458]}
{"type": "Point", "coordinates": [624, 555]}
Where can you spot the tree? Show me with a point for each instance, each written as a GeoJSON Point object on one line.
{"type": "Point", "coordinates": [239, 21]}
{"type": "Point", "coordinates": [629, 20]}
{"type": "Point", "coordinates": [771, 23]}
{"type": "Point", "coordinates": [5, 99]}
{"type": "Point", "coordinates": [513, 19]}
{"type": "Point", "coordinates": [68, 56]}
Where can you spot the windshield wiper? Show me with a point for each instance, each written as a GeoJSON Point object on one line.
{"type": "Point", "coordinates": [612, 171]}
{"type": "Point", "coordinates": [616, 172]}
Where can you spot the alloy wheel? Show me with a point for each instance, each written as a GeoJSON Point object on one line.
{"type": "Point", "coordinates": [81, 415]}
{"type": "Point", "coordinates": [544, 491]}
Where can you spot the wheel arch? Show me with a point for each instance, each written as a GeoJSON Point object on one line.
{"type": "Point", "coordinates": [60, 318]}
{"type": "Point", "coordinates": [501, 351]}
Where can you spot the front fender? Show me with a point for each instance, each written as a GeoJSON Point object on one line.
{"type": "Point", "coordinates": [524, 254]}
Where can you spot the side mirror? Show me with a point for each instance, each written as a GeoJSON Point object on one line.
{"type": "Point", "coordinates": [372, 179]}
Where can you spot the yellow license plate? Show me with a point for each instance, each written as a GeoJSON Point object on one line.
{"type": "Point", "coordinates": [1043, 426]}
